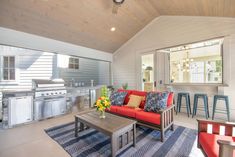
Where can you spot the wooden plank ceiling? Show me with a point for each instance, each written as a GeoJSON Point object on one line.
{"type": "Point", "coordinates": [88, 22]}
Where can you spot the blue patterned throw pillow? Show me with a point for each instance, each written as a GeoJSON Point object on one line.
{"type": "Point", "coordinates": [156, 101]}
{"type": "Point", "coordinates": [117, 98]}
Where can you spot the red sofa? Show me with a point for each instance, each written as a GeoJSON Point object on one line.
{"type": "Point", "coordinates": [212, 143]}
{"type": "Point", "coordinates": [160, 121]}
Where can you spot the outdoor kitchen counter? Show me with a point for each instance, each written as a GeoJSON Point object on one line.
{"type": "Point", "coordinates": [12, 91]}
{"type": "Point", "coordinates": [84, 88]}
{"type": "Point", "coordinates": [84, 95]}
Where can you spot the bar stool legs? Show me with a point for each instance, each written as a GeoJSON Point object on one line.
{"type": "Point", "coordinates": [227, 108]}
{"type": "Point", "coordinates": [187, 101]}
{"type": "Point", "coordinates": [214, 106]}
{"type": "Point", "coordinates": [221, 97]}
{"type": "Point", "coordinates": [195, 102]}
{"type": "Point", "coordinates": [205, 101]}
{"type": "Point", "coordinates": [188, 105]}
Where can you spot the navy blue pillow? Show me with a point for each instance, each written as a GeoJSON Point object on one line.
{"type": "Point", "coordinates": [117, 98]}
{"type": "Point", "coordinates": [156, 101]}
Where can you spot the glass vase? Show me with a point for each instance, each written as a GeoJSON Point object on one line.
{"type": "Point", "coordinates": [102, 114]}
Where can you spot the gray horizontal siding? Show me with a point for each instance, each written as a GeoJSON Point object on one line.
{"type": "Point", "coordinates": [88, 70]}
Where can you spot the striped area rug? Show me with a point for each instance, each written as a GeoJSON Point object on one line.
{"type": "Point", "coordinates": [179, 143]}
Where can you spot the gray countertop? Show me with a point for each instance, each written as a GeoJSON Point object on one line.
{"type": "Point", "coordinates": [85, 87]}
{"type": "Point", "coordinates": [16, 91]}
{"type": "Point", "coordinates": [31, 90]}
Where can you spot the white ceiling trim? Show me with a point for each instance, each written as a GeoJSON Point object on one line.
{"type": "Point", "coordinates": [26, 40]}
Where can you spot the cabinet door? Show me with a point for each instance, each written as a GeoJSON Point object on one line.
{"type": "Point", "coordinates": [58, 107]}
{"type": "Point", "coordinates": [47, 109]}
{"type": "Point", "coordinates": [20, 110]}
{"type": "Point", "coordinates": [38, 110]}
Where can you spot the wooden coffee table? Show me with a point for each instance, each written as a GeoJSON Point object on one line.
{"type": "Point", "coordinates": [122, 131]}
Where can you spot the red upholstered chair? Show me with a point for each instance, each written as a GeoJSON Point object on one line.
{"type": "Point", "coordinates": [216, 139]}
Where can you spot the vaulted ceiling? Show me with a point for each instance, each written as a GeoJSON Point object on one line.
{"type": "Point", "coordinates": [88, 22]}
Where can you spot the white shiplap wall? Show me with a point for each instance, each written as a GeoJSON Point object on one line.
{"type": "Point", "coordinates": [168, 31]}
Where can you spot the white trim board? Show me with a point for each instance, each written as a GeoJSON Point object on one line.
{"type": "Point", "coordinates": [26, 40]}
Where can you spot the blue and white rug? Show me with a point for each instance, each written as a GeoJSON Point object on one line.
{"type": "Point", "coordinates": [179, 143]}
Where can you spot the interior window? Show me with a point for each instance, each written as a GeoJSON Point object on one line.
{"type": "Point", "coordinates": [197, 63]}
{"type": "Point", "coordinates": [8, 68]}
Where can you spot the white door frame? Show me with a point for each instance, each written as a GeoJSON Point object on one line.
{"type": "Point", "coordinates": [139, 67]}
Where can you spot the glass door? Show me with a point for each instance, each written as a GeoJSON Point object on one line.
{"type": "Point", "coordinates": [147, 72]}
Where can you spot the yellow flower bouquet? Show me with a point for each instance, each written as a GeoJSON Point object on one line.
{"type": "Point", "coordinates": [101, 104]}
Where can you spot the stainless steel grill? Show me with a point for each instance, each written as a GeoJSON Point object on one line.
{"type": "Point", "coordinates": [50, 98]}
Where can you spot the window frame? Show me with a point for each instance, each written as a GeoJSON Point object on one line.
{"type": "Point", "coordinates": [205, 83]}
{"type": "Point", "coordinates": [2, 81]}
{"type": "Point", "coordinates": [73, 63]}
{"type": "Point", "coordinates": [9, 68]}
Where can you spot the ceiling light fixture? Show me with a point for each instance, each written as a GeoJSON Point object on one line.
{"type": "Point", "coordinates": [112, 29]}
{"type": "Point", "coordinates": [116, 5]}
{"type": "Point", "coordinates": [118, 1]}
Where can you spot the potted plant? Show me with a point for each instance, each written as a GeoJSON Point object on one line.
{"type": "Point", "coordinates": [125, 86]}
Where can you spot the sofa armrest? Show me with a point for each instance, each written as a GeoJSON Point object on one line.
{"type": "Point", "coordinates": [167, 117]}
{"type": "Point", "coordinates": [226, 148]}
{"type": "Point", "coordinates": [227, 143]}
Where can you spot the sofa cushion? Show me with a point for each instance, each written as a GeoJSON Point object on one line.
{"type": "Point", "coordinates": [150, 117]}
{"type": "Point", "coordinates": [140, 93]}
{"type": "Point", "coordinates": [127, 111]}
{"type": "Point", "coordinates": [170, 99]}
{"type": "Point", "coordinates": [156, 101]}
{"type": "Point", "coordinates": [209, 143]}
{"type": "Point", "coordinates": [117, 98]}
{"type": "Point", "coordinates": [134, 101]}
{"type": "Point", "coordinates": [127, 96]}
{"type": "Point", "coordinates": [113, 109]}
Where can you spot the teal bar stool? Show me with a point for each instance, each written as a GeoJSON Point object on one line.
{"type": "Point", "coordinates": [205, 102]}
{"type": "Point", "coordinates": [224, 98]}
{"type": "Point", "coordinates": [187, 102]}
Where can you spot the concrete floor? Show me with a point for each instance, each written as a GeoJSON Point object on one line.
{"type": "Point", "coordinates": [31, 141]}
